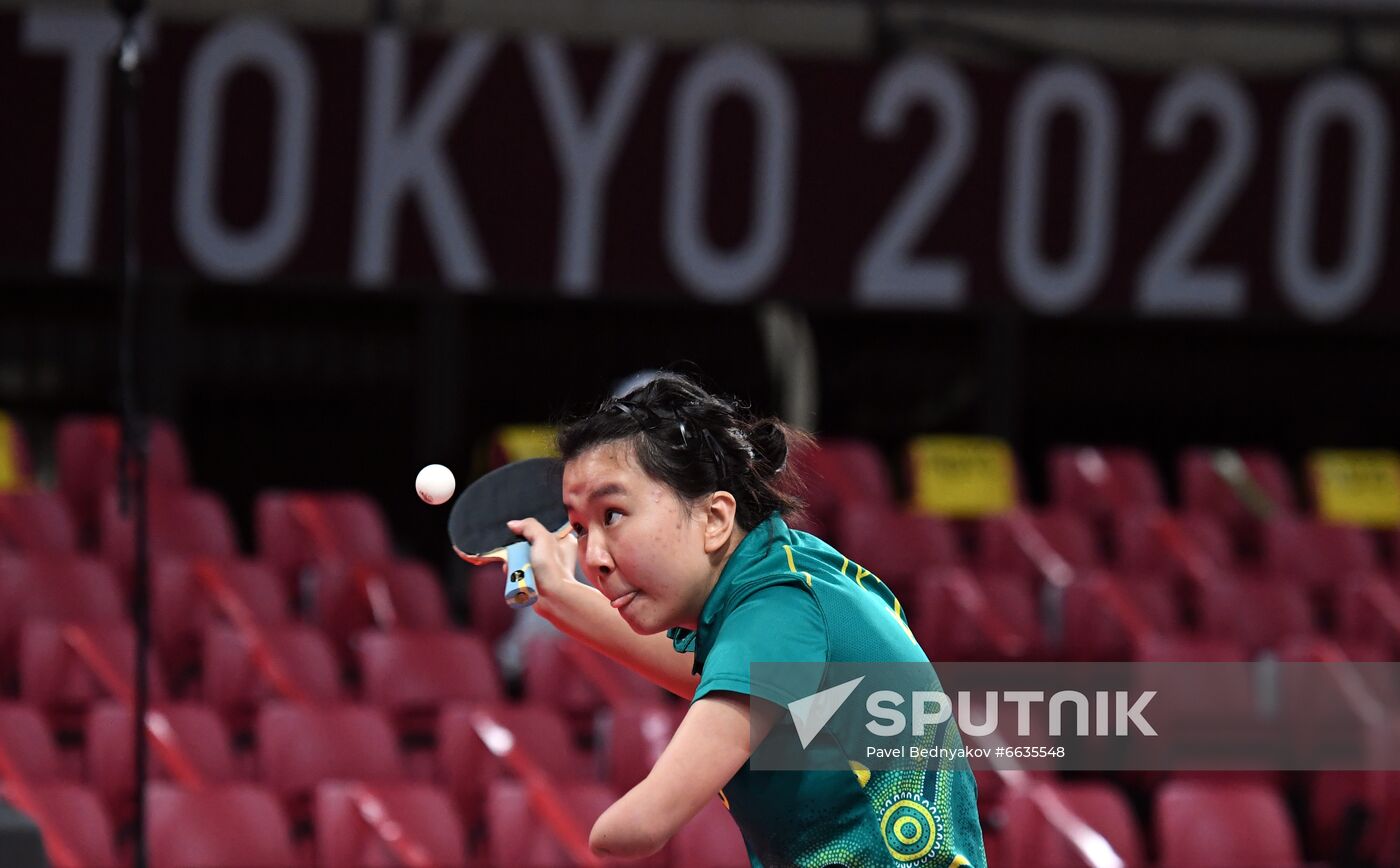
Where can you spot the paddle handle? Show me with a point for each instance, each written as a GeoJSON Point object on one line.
{"type": "Point", "coordinates": [520, 577]}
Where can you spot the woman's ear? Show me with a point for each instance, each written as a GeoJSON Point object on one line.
{"type": "Point", "coordinates": [719, 520]}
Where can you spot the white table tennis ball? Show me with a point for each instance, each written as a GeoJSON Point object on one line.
{"type": "Point", "coordinates": [435, 484]}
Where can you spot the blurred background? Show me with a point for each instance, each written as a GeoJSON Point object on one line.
{"type": "Point", "coordinates": [1092, 306]}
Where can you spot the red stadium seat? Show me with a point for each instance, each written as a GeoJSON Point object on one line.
{"type": "Point", "coordinates": [1183, 648]}
{"type": "Point", "coordinates": [957, 615]}
{"type": "Point", "coordinates": [1368, 611]}
{"type": "Point", "coordinates": [506, 803]}
{"type": "Point", "coordinates": [181, 608]}
{"type": "Point", "coordinates": [1204, 489]}
{"type": "Point", "coordinates": [553, 677]}
{"type": "Point", "coordinates": [635, 735]}
{"type": "Point", "coordinates": [342, 602]}
{"type": "Point", "coordinates": [1070, 537]}
{"type": "Point", "coordinates": [1316, 554]}
{"type": "Point", "coordinates": [292, 538]}
{"type": "Point", "coordinates": [233, 824]}
{"type": "Point", "coordinates": [415, 673]}
{"type": "Point", "coordinates": [710, 840]}
{"type": "Point", "coordinates": [57, 587]}
{"type": "Point", "coordinates": [1100, 482]}
{"type": "Point", "coordinates": [196, 733]}
{"type": "Point", "coordinates": [183, 522]}
{"type": "Point", "coordinates": [25, 739]}
{"type": "Point", "coordinates": [893, 544]}
{"type": "Point", "coordinates": [839, 472]}
{"type": "Point", "coordinates": [1344, 811]}
{"type": "Point", "coordinates": [75, 815]}
{"type": "Point", "coordinates": [422, 814]}
{"type": "Point", "coordinates": [235, 684]}
{"type": "Point", "coordinates": [88, 452]}
{"type": "Point", "coordinates": [55, 678]}
{"type": "Point", "coordinates": [36, 521]}
{"type": "Point", "coordinates": [1105, 617]}
{"type": "Point", "coordinates": [299, 746]}
{"type": "Point", "coordinates": [1258, 614]}
{"type": "Point", "coordinates": [468, 767]}
{"type": "Point", "coordinates": [1140, 547]}
{"type": "Point", "coordinates": [1030, 838]}
{"type": "Point", "coordinates": [488, 616]}
{"type": "Point", "coordinates": [1203, 824]}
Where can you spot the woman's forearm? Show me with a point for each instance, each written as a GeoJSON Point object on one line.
{"type": "Point", "coordinates": [583, 612]}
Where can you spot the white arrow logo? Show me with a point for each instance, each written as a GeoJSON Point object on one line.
{"type": "Point", "coordinates": [810, 713]}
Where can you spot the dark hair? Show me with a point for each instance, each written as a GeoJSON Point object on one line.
{"type": "Point", "coordinates": [697, 443]}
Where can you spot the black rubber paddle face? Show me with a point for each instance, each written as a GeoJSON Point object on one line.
{"type": "Point", "coordinates": [533, 488]}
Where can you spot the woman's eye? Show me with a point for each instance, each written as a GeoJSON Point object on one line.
{"type": "Point", "coordinates": [578, 529]}
{"type": "Point", "coordinates": [608, 515]}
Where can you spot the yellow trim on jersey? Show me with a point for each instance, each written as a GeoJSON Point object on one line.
{"type": "Point", "coordinates": [862, 773]}
{"type": "Point", "coordinates": [791, 565]}
{"type": "Point", "coordinates": [809, 579]}
{"type": "Point", "coordinates": [845, 562]}
{"type": "Point", "coordinates": [959, 862]}
{"type": "Point", "coordinates": [861, 572]}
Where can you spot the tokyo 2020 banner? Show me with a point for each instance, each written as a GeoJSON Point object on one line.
{"type": "Point", "coordinates": [501, 164]}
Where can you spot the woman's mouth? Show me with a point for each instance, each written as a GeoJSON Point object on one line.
{"type": "Point", "coordinates": [624, 599]}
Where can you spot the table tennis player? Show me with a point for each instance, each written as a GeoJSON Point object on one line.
{"type": "Point", "coordinates": [677, 499]}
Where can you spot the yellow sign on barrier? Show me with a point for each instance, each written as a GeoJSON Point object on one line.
{"type": "Point", "coordinates": [518, 442]}
{"type": "Point", "coordinates": [962, 477]}
{"type": "Point", "coordinates": [1357, 487]}
{"type": "Point", "coordinates": [11, 461]}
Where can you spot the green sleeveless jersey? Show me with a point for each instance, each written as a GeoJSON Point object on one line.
{"type": "Point", "coordinates": [786, 596]}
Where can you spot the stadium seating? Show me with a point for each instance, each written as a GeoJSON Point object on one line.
{"type": "Point", "coordinates": [893, 544]}
{"type": "Point", "coordinates": [413, 673]}
{"type": "Point", "coordinates": [839, 472]}
{"type": "Point", "coordinates": [711, 840]}
{"type": "Point", "coordinates": [553, 676]}
{"type": "Point", "coordinates": [1204, 824]}
{"type": "Point", "coordinates": [298, 746]}
{"type": "Point", "coordinates": [236, 683]}
{"type": "Point", "coordinates": [1070, 536]}
{"type": "Point", "coordinates": [1205, 488]}
{"type": "Point", "coordinates": [88, 455]}
{"type": "Point", "coordinates": [1258, 614]}
{"type": "Point", "coordinates": [182, 608]}
{"type": "Point", "coordinates": [344, 602]}
{"type": "Point", "coordinates": [53, 587]}
{"type": "Point", "coordinates": [1097, 483]}
{"type": "Point", "coordinates": [296, 529]}
{"type": "Point", "coordinates": [25, 740]}
{"type": "Point", "coordinates": [421, 816]}
{"type": "Point", "coordinates": [233, 824]}
{"type": "Point", "coordinates": [36, 521]}
{"type": "Point", "coordinates": [196, 735]}
{"type": "Point", "coordinates": [77, 831]}
{"type": "Point", "coordinates": [343, 681]}
{"type": "Point", "coordinates": [957, 615]}
{"type": "Point", "coordinates": [56, 678]}
{"type": "Point", "coordinates": [468, 766]}
{"type": "Point", "coordinates": [634, 734]}
{"type": "Point", "coordinates": [183, 523]}
{"type": "Point", "coordinates": [1029, 837]}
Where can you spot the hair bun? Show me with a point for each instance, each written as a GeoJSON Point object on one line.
{"type": "Point", "coordinates": [770, 441]}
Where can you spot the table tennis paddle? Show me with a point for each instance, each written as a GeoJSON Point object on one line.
{"type": "Point", "coordinates": [532, 488]}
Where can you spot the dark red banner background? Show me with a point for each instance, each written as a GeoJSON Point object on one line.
{"type": "Point", "coordinates": [844, 180]}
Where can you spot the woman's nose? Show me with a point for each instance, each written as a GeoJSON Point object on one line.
{"type": "Point", "coordinates": [597, 558]}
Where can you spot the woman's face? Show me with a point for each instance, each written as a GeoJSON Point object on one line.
{"type": "Point", "coordinates": [650, 553]}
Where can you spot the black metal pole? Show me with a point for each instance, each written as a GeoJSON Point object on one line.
{"type": "Point", "coordinates": [132, 473]}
